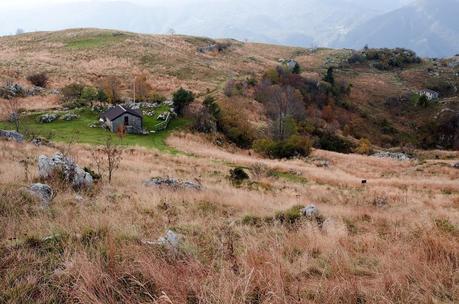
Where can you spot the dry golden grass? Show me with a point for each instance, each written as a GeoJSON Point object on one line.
{"type": "Point", "coordinates": [406, 251]}
{"type": "Point", "coordinates": [393, 240]}
{"type": "Point", "coordinates": [85, 55]}
{"type": "Point", "coordinates": [30, 104]}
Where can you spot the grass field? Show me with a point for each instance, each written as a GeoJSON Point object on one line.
{"type": "Point", "coordinates": [80, 131]}
{"type": "Point", "coordinates": [394, 240]}
{"type": "Point", "coordinates": [101, 40]}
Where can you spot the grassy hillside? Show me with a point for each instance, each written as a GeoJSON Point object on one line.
{"type": "Point", "coordinates": [376, 245]}
{"type": "Point", "coordinates": [90, 55]}
{"type": "Point", "coordinates": [393, 239]}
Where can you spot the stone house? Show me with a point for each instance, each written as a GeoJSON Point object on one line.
{"type": "Point", "coordinates": [130, 119]}
{"type": "Point", "coordinates": [430, 94]}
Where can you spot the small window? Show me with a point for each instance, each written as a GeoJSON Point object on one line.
{"type": "Point", "coordinates": [126, 120]}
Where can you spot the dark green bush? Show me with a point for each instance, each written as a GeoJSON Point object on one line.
{"type": "Point", "coordinates": [238, 175]}
{"type": "Point", "coordinates": [182, 98]}
{"type": "Point", "coordinates": [332, 142]}
{"type": "Point", "coordinates": [294, 146]}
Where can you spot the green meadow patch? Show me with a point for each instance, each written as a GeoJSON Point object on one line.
{"type": "Point", "coordinates": [80, 130]}
{"type": "Point", "coordinates": [96, 41]}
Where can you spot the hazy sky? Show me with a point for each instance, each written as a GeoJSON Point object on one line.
{"type": "Point", "coordinates": [31, 3]}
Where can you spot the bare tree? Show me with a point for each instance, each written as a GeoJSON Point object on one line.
{"type": "Point", "coordinates": [121, 132]}
{"type": "Point", "coordinates": [27, 162]}
{"type": "Point", "coordinates": [111, 87]}
{"type": "Point", "coordinates": [14, 112]}
{"type": "Point", "coordinates": [113, 154]}
{"type": "Point", "coordinates": [142, 89]}
{"type": "Point", "coordinates": [282, 104]}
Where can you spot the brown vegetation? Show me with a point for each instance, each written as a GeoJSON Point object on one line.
{"type": "Point", "coordinates": [376, 245]}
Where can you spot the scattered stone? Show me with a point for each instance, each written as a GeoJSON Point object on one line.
{"type": "Point", "coordinates": [169, 103]}
{"type": "Point", "coordinates": [140, 105]}
{"type": "Point", "coordinates": [393, 155]}
{"type": "Point", "coordinates": [64, 167]}
{"type": "Point", "coordinates": [149, 113]}
{"type": "Point", "coordinates": [35, 91]}
{"type": "Point", "coordinates": [42, 191]}
{"type": "Point", "coordinates": [94, 125]}
{"type": "Point", "coordinates": [55, 92]}
{"type": "Point", "coordinates": [39, 141]}
{"type": "Point", "coordinates": [79, 198]}
{"type": "Point", "coordinates": [310, 211]}
{"type": "Point", "coordinates": [216, 47]}
{"type": "Point", "coordinates": [380, 201]}
{"type": "Point", "coordinates": [173, 183]}
{"type": "Point", "coordinates": [171, 239]}
{"type": "Point", "coordinates": [70, 117]}
{"type": "Point", "coordinates": [48, 118]}
{"type": "Point", "coordinates": [12, 90]}
{"type": "Point", "coordinates": [321, 163]}
{"type": "Point", "coordinates": [163, 116]}
{"type": "Point", "coordinates": [12, 135]}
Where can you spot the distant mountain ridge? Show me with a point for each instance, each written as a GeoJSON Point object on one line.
{"type": "Point", "coordinates": [430, 27]}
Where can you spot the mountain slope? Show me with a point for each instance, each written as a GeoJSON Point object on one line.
{"type": "Point", "coordinates": [429, 27]}
{"type": "Point", "coordinates": [377, 98]}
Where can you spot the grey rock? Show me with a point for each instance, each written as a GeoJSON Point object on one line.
{"type": "Point", "coordinates": [12, 90]}
{"type": "Point", "coordinates": [48, 118]}
{"type": "Point", "coordinates": [42, 191]}
{"type": "Point", "coordinates": [59, 165]}
{"type": "Point", "coordinates": [310, 211]}
{"type": "Point", "coordinates": [380, 201]}
{"type": "Point", "coordinates": [35, 91]}
{"type": "Point", "coordinates": [79, 198]}
{"type": "Point", "coordinates": [456, 165]}
{"type": "Point", "coordinates": [163, 116]}
{"type": "Point", "coordinates": [12, 135]}
{"type": "Point", "coordinates": [173, 183]}
{"type": "Point", "coordinates": [171, 239]}
{"type": "Point", "coordinates": [70, 117]}
{"type": "Point", "coordinates": [393, 155]}
{"type": "Point", "coordinates": [39, 141]}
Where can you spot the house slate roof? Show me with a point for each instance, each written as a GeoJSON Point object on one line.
{"type": "Point", "coordinates": [116, 111]}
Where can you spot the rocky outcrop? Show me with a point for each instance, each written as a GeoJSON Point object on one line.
{"type": "Point", "coordinates": [393, 155]}
{"type": "Point", "coordinates": [42, 191]}
{"type": "Point", "coordinates": [169, 240]}
{"type": "Point", "coordinates": [12, 91]}
{"type": "Point", "coordinates": [65, 168]}
{"type": "Point", "coordinates": [47, 118]}
{"type": "Point", "coordinates": [12, 135]}
{"type": "Point", "coordinates": [310, 211]}
{"type": "Point", "coordinates": [173, 183]}
{"type": "Point", "coordinates": [70, 116]}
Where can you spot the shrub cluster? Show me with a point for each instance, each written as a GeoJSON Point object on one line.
{"type": "Point", "coordinates": [78, 95]}
{"type": "Point", "coordinates": [39, 79]}
{"type": "Point", "coordinates": [385, 59]}
{"type": "Point", "coordinates": [294, 146]}
{"type": "Point", "coordinates": [182, 98]}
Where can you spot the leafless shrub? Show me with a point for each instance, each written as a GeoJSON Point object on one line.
{"type": "Point", "coordinates": [39, 79]}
